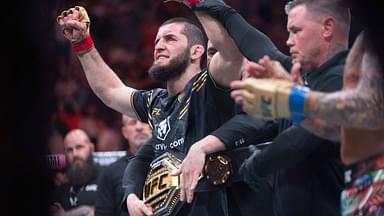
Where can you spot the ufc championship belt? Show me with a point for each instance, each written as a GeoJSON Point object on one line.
{"type": "Point", "coordinates": [161, 190]}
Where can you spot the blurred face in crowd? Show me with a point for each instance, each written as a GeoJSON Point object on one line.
{"type": "Point", "coordinates": [305, 41]}
{"type": "Point", "coordinates": [171, 54]}
{"type": "Point", "coordinates": [136, 132]}
{"type": "Point", "coordinates": [78, 152]}
{"type": "Point", "coordinates": [77, 146]}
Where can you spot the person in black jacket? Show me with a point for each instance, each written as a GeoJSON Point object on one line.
{"type": "Point", "coordinates": [110, 191]}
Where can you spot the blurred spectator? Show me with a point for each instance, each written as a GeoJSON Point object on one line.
{"type": "Point", "coordinates": [77, 196]}
{"type": "Point", "coordinates": [110, 192]}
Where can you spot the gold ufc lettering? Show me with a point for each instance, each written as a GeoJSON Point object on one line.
{"type": "Point", "coordinates": [157, 184]}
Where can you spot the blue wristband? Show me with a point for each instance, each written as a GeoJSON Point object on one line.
{"type": "Point", "coordinates": [296, 102]}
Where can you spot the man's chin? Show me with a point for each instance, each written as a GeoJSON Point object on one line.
{"type": "Point", "coordinates": [141, 141]}
{"type": "Point", "coordinates": [161, 62]}
{"type": "Point", "coordinates": [78, 164]}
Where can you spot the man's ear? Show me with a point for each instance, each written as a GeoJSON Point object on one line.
{"type": "Point", "coordinates": [124, 132]}
{"type": "Point", "coordinates": [329, 28]}
{"type": "Point", "coordinates": [197, 52]}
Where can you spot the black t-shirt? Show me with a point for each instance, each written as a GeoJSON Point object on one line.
{"type": "Point", "coordinates": [70, 196]}
{"type": "Point", "coordinates": [110, 191]}
{"type": "Point", "coordinates": [178, 122]}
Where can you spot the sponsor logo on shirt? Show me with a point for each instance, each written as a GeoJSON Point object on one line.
{"type": "Point", "coordinates": [156, 111]}
{"type": "Point", "coordinates": [171, 145]}
{"type": "Point", "coordinates": [163, 129]}
{"type": "Point", "coordinates": [91, 187]}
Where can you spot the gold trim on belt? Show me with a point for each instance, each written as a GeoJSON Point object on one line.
{"type": "Point", "coordinates": [161, 190]}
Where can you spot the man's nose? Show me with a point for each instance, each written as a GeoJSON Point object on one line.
{"type": "Point", "coordinates": [139, 128]}
{"type": "Point", "coordinates": [289, 42]}
{"type": "Point", "coordinates": [75, 153]}
{"type": "Point", "coordinates": [159, 45]}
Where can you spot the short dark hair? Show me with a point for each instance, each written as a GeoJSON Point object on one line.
{"type": "Point", "coordinates": [334, 8]}
{"type": "Point", "coordinates": [194, 35]}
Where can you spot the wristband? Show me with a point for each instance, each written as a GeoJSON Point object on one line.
{"type": "Point", "coordinates": [296, 102]}
{"type": "Point", "coordinates": [84, 45]}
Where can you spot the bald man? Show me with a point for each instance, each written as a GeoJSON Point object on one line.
{"type": "Point", "coordinates": [77, 197]}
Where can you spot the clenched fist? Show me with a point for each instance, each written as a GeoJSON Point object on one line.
{"type": "Point", "coordinates": [75, 23]}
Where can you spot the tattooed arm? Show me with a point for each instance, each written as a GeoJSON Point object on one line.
{"type": "Point", "coordinates": [361, 103]}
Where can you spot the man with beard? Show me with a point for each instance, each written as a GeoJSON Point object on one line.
{"type": "Point", "coordinates": [195, 102]}
{"type": "Point", "coordinates": [77, 196]}
{"type": "Point", "coordinates": [110, 192]}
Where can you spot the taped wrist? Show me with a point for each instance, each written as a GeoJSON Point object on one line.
{"type": "Point", "coordinates": [83, 46]}
{"type": "Point", "coordinates": [296, 103]}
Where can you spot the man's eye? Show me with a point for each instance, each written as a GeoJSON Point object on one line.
{"type": "Point", "coordinates": [295, 30]}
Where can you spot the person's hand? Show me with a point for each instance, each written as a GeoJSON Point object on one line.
{"type": "Point", "coordinates": [74, 23]}
{"type": "Point", "coordinates": [267, 68]}
{"type": "Point", "coordinates": [136, 207]}
{"type": "Point", "coordinates": [191, 171]}
{"type": "Point", "coordinates": [270, 98]}
{"type": "Point", "coordinates": [261, 97]}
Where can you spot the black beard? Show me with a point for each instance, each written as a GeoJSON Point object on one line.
{"type": "Point", "coordinates": [173, 70]}
{"type": "Point", "coordinates": [81, 174]}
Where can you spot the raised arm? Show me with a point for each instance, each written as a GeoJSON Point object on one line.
{"type": "Point", "coordinates": [252, 43]}
{"type": "Point", "coordinates": [103, 81]}
{"type": "Point", "coordinates": [226, 63]}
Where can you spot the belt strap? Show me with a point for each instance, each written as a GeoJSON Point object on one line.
{"type": "Point", "coordinates": [235, 158]}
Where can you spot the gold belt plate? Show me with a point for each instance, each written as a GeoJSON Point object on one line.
{"type": "Point", "coordinates": [161, 190]}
